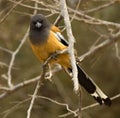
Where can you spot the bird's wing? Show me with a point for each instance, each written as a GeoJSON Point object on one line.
{"type": "Point", "coordinates": [59, 36]}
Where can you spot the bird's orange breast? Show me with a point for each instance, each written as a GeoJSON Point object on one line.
{"type": "Point", "coordinates": [52, 45]}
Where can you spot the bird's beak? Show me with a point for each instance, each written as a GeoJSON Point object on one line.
{"type": "Point", "coordinates": [38, 24]}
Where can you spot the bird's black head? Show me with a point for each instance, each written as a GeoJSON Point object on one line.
{"type": "Point", "coordinates": [39, 29]}
{"type": "Point", "coordinates": [39, 22]}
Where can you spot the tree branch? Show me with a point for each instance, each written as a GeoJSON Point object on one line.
{"type": "Point", "coordinates": [88, 107]}
{"type": "Point", "coordinates": [13, 59]}
{"type": "Point", "coordinates": [112, 39]}
{"type": "Point", "coordinates": [15, 4]}
{"type": "Point", "coordinates": [71, 43]}
{"type": "Point", "coordinates": [101, 7]}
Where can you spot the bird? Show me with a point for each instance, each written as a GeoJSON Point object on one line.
{"type": "Point", "coordinates": [45, 40]}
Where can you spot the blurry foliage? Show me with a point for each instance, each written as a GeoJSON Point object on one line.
{"type": "Point", "coordinates": [103, 67]}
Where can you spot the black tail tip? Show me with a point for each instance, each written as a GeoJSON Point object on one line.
{"type": "Point", "coordinates": [98, 99]}
{"type": "Point", "coordinates": [101, 101]}
{"type": "Point", "coordinates": [107, 101]}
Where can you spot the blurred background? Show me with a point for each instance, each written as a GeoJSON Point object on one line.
{"type": "Point", "coordinates": [103, 66]}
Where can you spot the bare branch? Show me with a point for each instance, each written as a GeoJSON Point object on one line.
{"type": "Point", "coordinates": [88, 107]}
{"type": "Point", "coordinates": [91, 20]}
{"type": "Point", "coordinates": [117, 51]}
{"type": "Point", "coordinates": [16, 3]}
{"type": "Point", "coordinates": [3, 64]}
{"type": "Point", "coordinates": [34, 8]}
{"type": "Point", "coordinates": [23, 13]}
{"type": "Point", "coordinates": [71, 43]}
{"type": "Point", "coordinates": [33, 99]}
{"type": "Point", "coordinates": [25, 83]}
{"type": "Point", "coordinates": [101, 7]}
{"type": "Point", "coordinates": [107, 42]}
{"type": "Point", "coordinates": [14, 107]}
{"type": "Point", "coordinates": [58, 19]}
{"type": "Point", "coordinates": [13, 58]}
{"type": "Point", "coordinates": [6, 50]}
{"type": "Point", "coordinates": [58, 103]}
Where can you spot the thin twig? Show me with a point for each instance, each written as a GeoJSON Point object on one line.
{"type": "Point", "coordinates": [13, 59]}
{"type": "Point", "coordinates": [33, 99]}
{"type": "Point", "coordinates": [101, 6]}
{"type": "Point", "coordinates": [36, 6]}
{"type": "Point", "coordinates": [91, 20]}
{"type": "Point", "coordinates": [23, 84]}
{"type": "Point", "coordinates": [77, 6]}
{"type": "Point", "coordinates": [3, 64]}
{"type": "Point", "coordinates": [88, 107]}
{"type": "Point", "coordinates": [58, 19]}
{"type": "Point", "coordinates": [80, 103]}
{"type": "Point", "coordinates": [14, 107]}
{"type": "Point", "coordinates": [114, 38]}
{"type": "Point", "coordinates": [58, 103]}
{"type": "Point", "coordinates": [8, 13]}
{"type": "Point", "coordinates": [23, 13]}
{"type": "Point", "coordinates": [32, 7]}
{"type": "Point", "coordinates": [6, 50]}
{"type": "Point", "coordinates": [117, 51]}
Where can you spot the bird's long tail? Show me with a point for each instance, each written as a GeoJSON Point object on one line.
{"type": "Point", "coordinates": [91, 87]}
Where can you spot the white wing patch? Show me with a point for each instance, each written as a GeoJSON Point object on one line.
{"type": "Point", "coordinates": [60, 37]}
{"type": "Point", "coordinates": [57, 34]}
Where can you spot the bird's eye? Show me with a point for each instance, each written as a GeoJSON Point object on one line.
{"type": "Point", "coordinates": [34, 22]}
